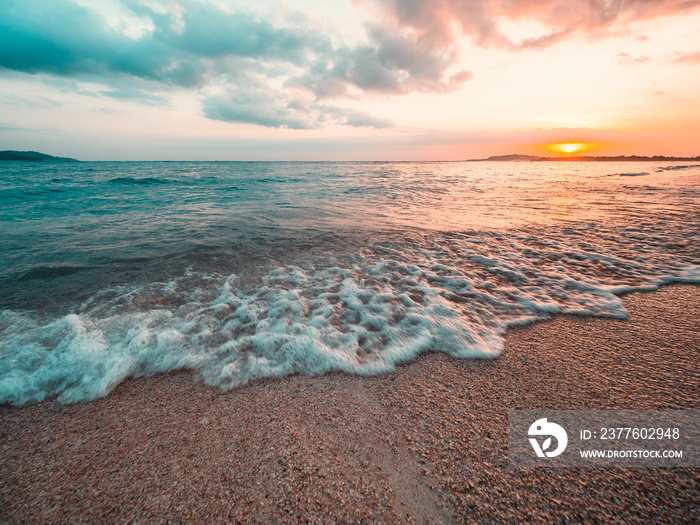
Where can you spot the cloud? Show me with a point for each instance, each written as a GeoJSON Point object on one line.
{"type": "Point", "coordinates": [625, 59]}
{"type": "Point", "coordinates": [258, 107]}
{"type": "Point", "coordinates": [359, 119]}
{"type": "Point", "coordinates": [63, 38]}
{"type": "Point", "coordinates": [261, 107]}
{"type": "Point", "coordinates": [690, 58]}
{"type": "Point", "coordinates": [441, 22]}
{"type": "Point", "coordinates": [393, 62]}
{"type": "Point", "coordinates": [136, 94]}
{"type": "Point", "coordinates": [290, 73]}
{"type": "Point", "coordinates": [43, 102]}
{"type": "Point", "coordinates": [197, 45]}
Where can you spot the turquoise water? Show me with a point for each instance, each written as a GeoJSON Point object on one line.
{"type": "Point", "coordinates": [248, 270]}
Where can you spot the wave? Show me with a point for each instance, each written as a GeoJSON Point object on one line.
{"type": "Point", "coordinates": [362, 314]}
{"type": "Point", "coordinates": [141, 181]}
{"type": "Point", "coordinates": [50, 272]}
{"type": "Point", "coordinates": [674, 168]}
{"type": "Point", "coordinates": [20, 194]}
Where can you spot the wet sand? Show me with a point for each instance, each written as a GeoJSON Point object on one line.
{"type": "Point", "coordinates": [426, 444]}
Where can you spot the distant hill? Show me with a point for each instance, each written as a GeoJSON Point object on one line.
{"type": "Point", "coordinates": [586, 158]}
{"type": "Point", "coordinates": [623, 158]}
{"type": "Point", "coordinates": [511, 157]}
{"type": "Point", "coordinates": [32, 156]}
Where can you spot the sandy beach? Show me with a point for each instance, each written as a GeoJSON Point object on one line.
{"type": "Point", "coordinates": [426, 444]}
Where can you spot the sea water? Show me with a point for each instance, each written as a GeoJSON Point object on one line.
{"type": "Point", "coordinates": [247, 270]}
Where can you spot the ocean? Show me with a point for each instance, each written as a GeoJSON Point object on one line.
{"type": "Point", "coordinates": [246, 270]}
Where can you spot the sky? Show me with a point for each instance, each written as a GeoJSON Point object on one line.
{"type": "Point", "coordinates": [349, 79]}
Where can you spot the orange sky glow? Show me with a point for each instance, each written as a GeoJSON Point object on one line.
{"type": "Point", "coordinates": [349, 80]}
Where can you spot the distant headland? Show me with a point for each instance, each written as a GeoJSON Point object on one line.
{"type": "Point", "coordinates": [32, 156]}
{"type": "Point", "coordinates": [586, 158]}
{"type": "Point", "coordinates": [35, 156]}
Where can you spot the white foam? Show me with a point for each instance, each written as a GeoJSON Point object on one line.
{"type": "Point", "coordinates": [361, 315]}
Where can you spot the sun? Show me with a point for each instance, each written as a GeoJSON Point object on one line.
{"type": "Point", "coordinates": [570, 147]}
{"type": "Point", "coordinates": [567, 149]}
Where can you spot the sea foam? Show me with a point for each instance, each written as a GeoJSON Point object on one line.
{"type": "Point", "coordinates": [363, 313]}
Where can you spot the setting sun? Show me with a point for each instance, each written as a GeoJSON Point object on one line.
{"type": "Point", "coordinates": [570, 147]}
{"type": "Point", "coordinates": [311, 260]}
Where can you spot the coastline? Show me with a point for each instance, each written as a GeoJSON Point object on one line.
{"type": "Point", "coordinates": [425, 444]}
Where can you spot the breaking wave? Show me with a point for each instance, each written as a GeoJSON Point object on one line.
{"type": "Point", "coordinates": [363, 313]}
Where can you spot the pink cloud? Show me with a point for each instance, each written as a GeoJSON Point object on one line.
{"type": "Point", "coordinates": [625, 59]}
{"type": "Point", "coordinates": [438, 22]}
{"type": "Point", "coordinates": [690, 58]}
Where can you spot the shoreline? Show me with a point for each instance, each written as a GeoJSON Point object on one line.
{"type": "Point", "coordinates": [424, 444]}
